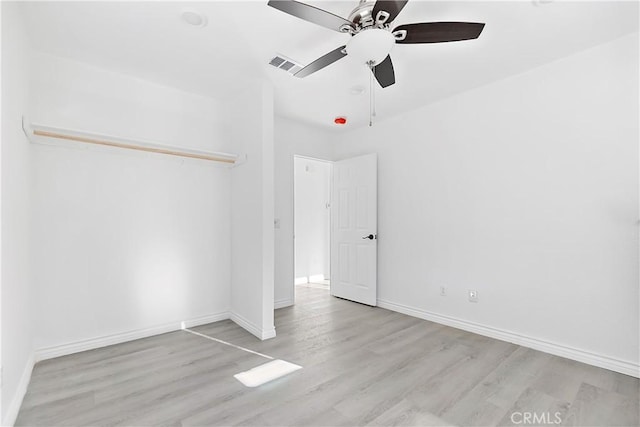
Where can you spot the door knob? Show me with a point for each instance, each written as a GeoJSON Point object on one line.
{"type": "Point", "coordinates": [370, 237]}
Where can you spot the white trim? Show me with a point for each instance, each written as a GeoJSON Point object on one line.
{"type": "Point", "coordinates": [21, 391]}
{"type": "Point", "coordinates": [282, 303]}
{"type": "Point", "coordinates": [313, 158]}
{"type": "Point", "coordinates": [268, 334]}
{"type": "Point", "coordinates": [93, 343]}
{"type": "Point", "coordinates": [253, 329]}
{"type": "Point", "coordinates": [606, 362]}
{"type": "Point", "coordinates": [205, 320]}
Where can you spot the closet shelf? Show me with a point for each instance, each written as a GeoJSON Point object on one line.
{"type": "Point", "coordinates": [35, 132]}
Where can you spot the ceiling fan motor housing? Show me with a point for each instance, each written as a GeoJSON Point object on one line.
{"type": "Point", "coordinates": [362, 18]}
{"type": "Point", "coordinates": [361, 15]}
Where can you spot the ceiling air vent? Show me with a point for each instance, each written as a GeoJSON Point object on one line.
{"type": "Point", "coordinates": [286, 64]}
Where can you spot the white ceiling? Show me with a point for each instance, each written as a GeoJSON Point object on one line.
{"type": "Point", "coordinates": [149, 40]}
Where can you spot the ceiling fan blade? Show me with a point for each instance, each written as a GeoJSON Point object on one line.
{"type": "Point", "coordinates": [311, 14]}
{"type": "Point", "coordinates": [322, 62]}
{"type": "Point", "coordinates": [438, 32]}
{"type": "Point", "coordinates": [392, 7]}
{"type": "Point", "coordinates": [383, 72]}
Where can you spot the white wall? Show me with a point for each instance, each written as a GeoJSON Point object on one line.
{"type": "Point", "coordinates": [291, 139]}
{"type": "Point", "coordinates": [252, 207]}
{"type": "Point", "coordinates": [16, 328]}
{"type": "Point", "coordinates": [125, 241]}
{"type": "Point", "coordinates": [525, 190]}
{"type": "Point", "coordinates": [311, 198]}
{"type": "Point", "coordinates": [83, 97]}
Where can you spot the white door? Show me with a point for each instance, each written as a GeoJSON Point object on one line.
{"type": "Point", "coordinates": [354, 218]}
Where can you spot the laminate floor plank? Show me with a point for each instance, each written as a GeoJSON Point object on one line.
{"type": "Point", "coordinates": [596, 406]}
{"type": "Point", "coordinates": [305, 389]}
{"type": "Point", "coordinates": [404, 413]}
{"type": "Point", "coordinates": [538, 407]}
{"type": "Point", "coordinates": [122, 377]}
{"type": "Point", "coordinates": [396, 384]}
{"type": "Point", "coordinates": [445, 389]}
{"type": "Point", "coordinates": [361, 366]}
{"type": "Point", "coordinates": [489, 400]}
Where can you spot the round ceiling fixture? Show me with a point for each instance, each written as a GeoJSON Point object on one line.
{"type": "Point", "coordinates": [193, 17]}
{"type": "Point", "coordinates": [340, 120]}
{"type": "Point", "coordinates": [371, 46]}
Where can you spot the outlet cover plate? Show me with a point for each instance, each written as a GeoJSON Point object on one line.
{"type": "Point", "coordinates": [473, 295]}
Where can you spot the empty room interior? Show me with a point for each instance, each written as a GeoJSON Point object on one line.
{"type": "Point", "coordinates": [320, 213]}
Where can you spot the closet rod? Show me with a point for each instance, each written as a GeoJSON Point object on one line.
{"type": "Point", "coordinates": [133, 147]}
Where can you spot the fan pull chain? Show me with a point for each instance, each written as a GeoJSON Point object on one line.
{"type": "Point", "coordinates": [372, 100]}
{"type": "Point", "coordinates": [371, 96]}
{"type": "Point", "coordinates": [373, 92]}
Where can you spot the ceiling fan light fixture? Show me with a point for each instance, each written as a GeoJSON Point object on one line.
{"type": "Point", "coordinates": [370, 46]}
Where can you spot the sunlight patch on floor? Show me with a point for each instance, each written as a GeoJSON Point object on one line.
{"type": "Point", "coordinates": [268, 372]}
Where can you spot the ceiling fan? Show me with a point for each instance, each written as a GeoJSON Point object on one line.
{"type": "Point", "coordinates": [371, 35]}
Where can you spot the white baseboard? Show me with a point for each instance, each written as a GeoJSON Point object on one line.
{"type": "Point", "coordinates": [622, 366]}
{"type": "Point", "coordinates": [18, 397]}
{"type": "Point", "coordinates": [316, 278]}
{"type": "Point", "coordinates": [282, 303]}
{"type": "Point", "coordinates": [204, 320]}
{"type": "Point", "coordinates": [268, 334]}
{"type": "Point", "coordinates": [93, 343]}
{"type": "Point", "coordinates": [253, 329]}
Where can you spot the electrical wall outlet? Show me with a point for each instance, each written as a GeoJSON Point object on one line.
{"type": "Point", "coordinates": [473, 295]}
{"type": "Point", "coordinates": [443, 291]}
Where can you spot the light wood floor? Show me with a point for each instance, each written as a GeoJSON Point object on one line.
{"type": "Point", "coordinates": [362, 366]}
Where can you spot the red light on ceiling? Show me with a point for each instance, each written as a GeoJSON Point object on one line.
{"type": "Point", "coordinates": [340, 120]}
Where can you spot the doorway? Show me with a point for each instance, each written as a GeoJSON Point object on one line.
{"type": "Point", "coordinates": [312, 223]}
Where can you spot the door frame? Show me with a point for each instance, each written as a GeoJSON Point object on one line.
{"type": "Point", "coordinates": [293, 207]}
